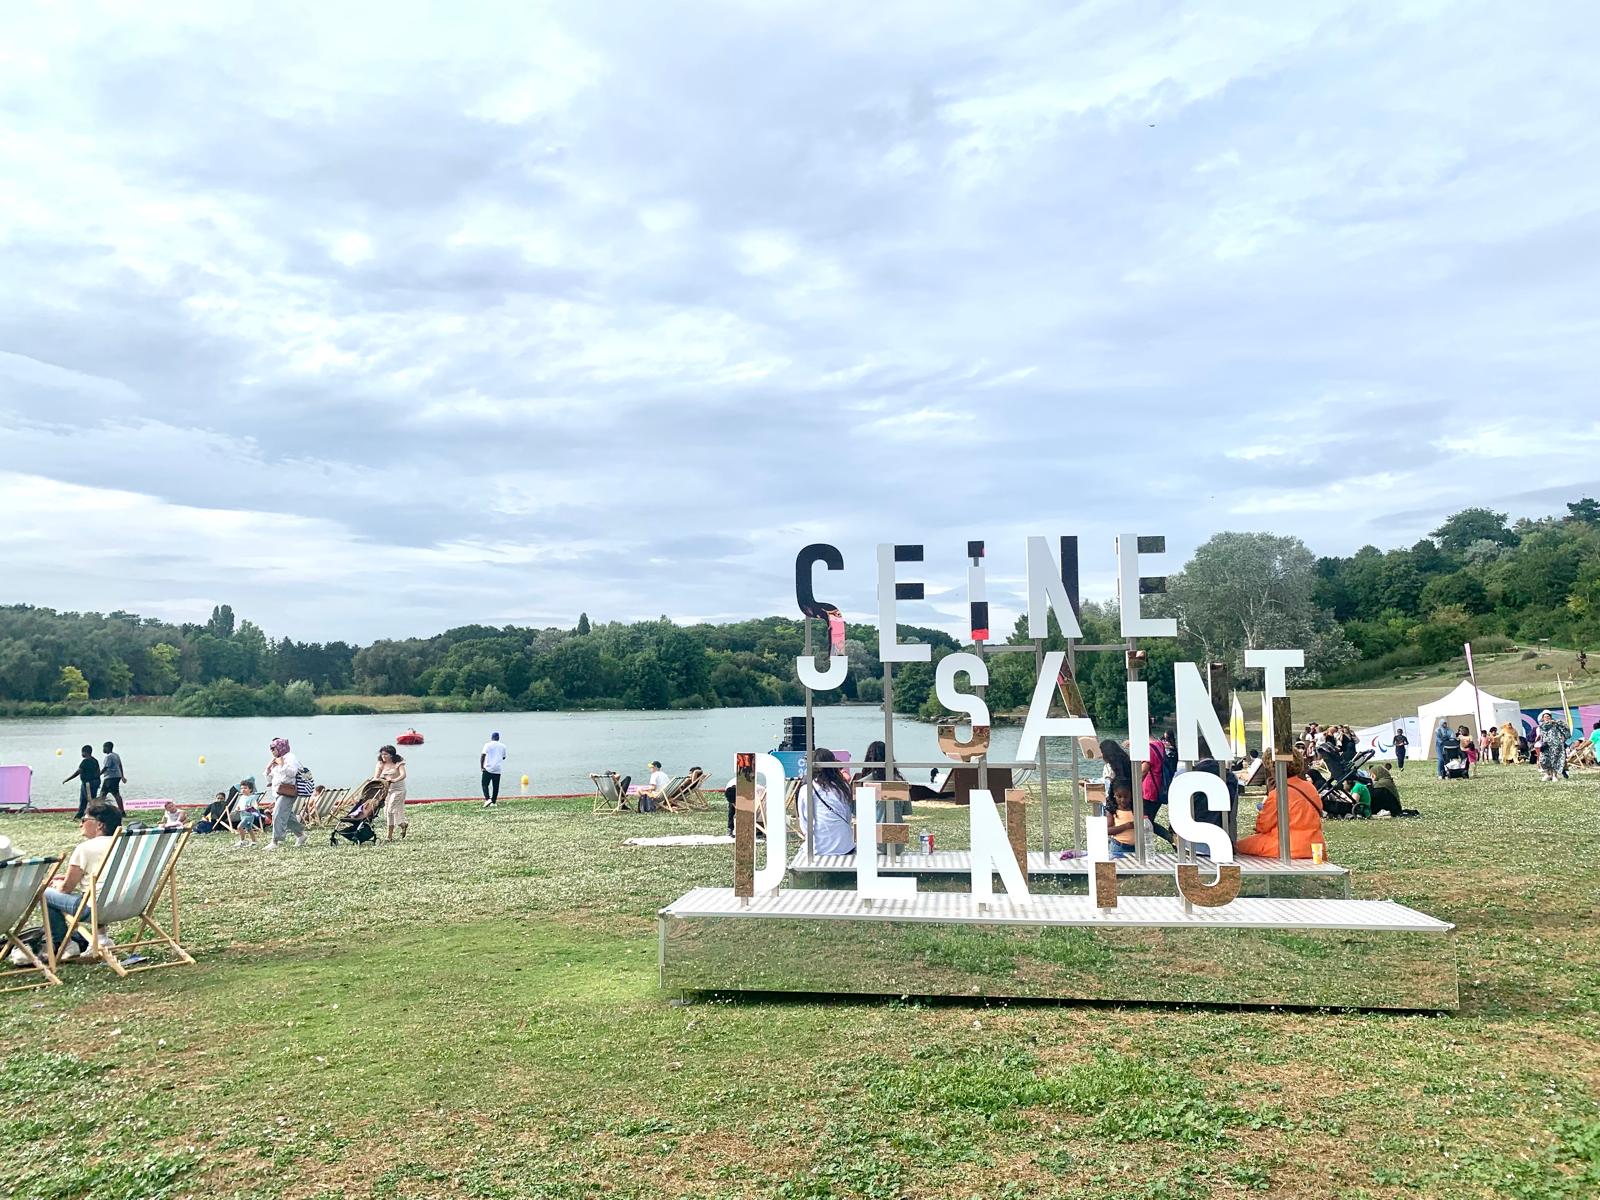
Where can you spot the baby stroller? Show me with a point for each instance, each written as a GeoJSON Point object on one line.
{"type": "Point", "coordinates": [354, 825]}
{"type": "Point", "coordinates": [1456, 765]}
{"type": "Point", "coordinates": [1334, 787]}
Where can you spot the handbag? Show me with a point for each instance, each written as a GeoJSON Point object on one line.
{"type": "Point", "coordinates": [285, 789]}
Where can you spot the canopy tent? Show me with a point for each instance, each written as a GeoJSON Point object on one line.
{"type": "Point", "coordinates": [1482, 708]}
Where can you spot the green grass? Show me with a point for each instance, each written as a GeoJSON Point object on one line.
{"type": "Point", "coordinates": [474, 1013]}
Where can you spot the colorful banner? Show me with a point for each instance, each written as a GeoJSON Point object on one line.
{"type": "Point", "coordinates": [1380, 738]}
{"type": "Point", "coordinates": [1584, 717]}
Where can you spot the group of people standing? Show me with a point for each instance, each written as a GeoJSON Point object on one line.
{"type": "Point", "coordinates": [98, 779]}
{"type": "Point", "coordinates": [1457, 751]}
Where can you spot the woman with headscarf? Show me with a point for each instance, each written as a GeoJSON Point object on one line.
{"type": "Point", "coordinates": [282, 773]}
{"type": "Point", "coordinates": [1553, 738]}
{"type": "Point", "coordinates": [1508, 744]}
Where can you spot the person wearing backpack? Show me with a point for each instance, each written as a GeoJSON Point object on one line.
{"type": "Point", "coordinates": [283, 775]}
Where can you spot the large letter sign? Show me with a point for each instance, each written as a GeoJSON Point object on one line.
{"type": "Point", "coordinates": [838, 664]}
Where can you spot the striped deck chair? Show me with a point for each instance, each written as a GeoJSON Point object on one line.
{"type": "Point", "coordinates": [22, 883]}
{"type": "Point", "coordinates": [683, 795]}
{"type": "Point", "coordinates": [609, 796]}
{"type": "Point", "coordinates": [319, 810]}
{"type": "Point", "coordinates": [139, 867]}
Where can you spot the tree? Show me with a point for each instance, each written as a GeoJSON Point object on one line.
{"type": "Point", "coordinates": [583, 624]}
{"type": "Point", "coordinates": [1585, 511]}
{"type": "Point", "coordinates": [72, 685]}
{"type": "Point", "coordinates": [1461, 592]}
{"type": "Point", "coordinates": [1461, 529]}
{"type": "Point", "coordinates": [162, 672]}
{"type": "Point", "coordinates": [221, 623]}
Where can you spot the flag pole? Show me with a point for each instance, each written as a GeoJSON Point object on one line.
{"type": "Point", "coordinates": [1477, 696]}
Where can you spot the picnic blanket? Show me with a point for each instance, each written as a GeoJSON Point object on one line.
{"type": "Point", "coordinates": [685, 839]}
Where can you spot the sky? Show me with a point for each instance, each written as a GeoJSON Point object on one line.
{"type": "Point", "coordinates": [376, 319]}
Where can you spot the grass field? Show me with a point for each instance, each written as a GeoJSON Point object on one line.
{"type": "Point", "coordinates": [474, 1013]}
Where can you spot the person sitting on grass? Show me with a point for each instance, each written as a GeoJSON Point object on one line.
{"type": "Point", "coordinates": [171, 815]}
{"type": "Point", "coordinates": [1305, 819]}
{"type": "Point", "coordinates": [247, 818]}
{"type": "Point", "coordinates": [63, 897]}
{"type": "Point", "coordinates": [835, 830]}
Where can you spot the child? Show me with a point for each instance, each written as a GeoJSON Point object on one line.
{"type": "Point", "coordinates": [1119, 824]}
{"type": "Point", "coordinates": [171, 817]}
{"type": "Point", "coordinates": [246, 815]}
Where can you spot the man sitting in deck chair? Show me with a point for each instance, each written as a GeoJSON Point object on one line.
{"type": "Point", "coordinates": [656, 790]}
{"type": "Point", "coordinates": [610, 792]}
{"type": "Point", "coordinates": [135, 868]}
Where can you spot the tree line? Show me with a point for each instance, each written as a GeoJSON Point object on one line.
{"type": "Point", "coordinates": [1476, 577]}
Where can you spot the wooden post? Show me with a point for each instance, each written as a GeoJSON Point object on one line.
{"type": "Point", "coordinates": [1017, 826]}
{"type": "Point", "coordinates": [1282, 751]}
{"type": "Point", "coordinates": [894, 801]}
{"type": "Point", "coordinates": [744, 826]}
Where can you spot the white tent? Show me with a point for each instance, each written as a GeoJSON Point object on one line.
{"type": "Point", "coordinates": [1478, 707]}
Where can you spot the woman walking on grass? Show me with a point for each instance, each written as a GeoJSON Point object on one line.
{"type": "Point", "coordinates": [1553, 737]}
{"type": "Point", "coordinates": [392, 771]}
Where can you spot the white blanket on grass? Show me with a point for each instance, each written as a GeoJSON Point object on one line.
{"type": "Point", "coordinates": [686, 839]}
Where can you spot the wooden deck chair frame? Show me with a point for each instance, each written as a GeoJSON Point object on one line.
{"type": "Point", "coordinates": [321, 813]}
{"type": "Point", "coordinates": [138, 868]}
{"type": "Point", "coordinates": [608, 797]}
{"type": "Point", "coordinates": [692, 798]}
{"type": "Point", "coordinates": [22, 885]}
{"type": "Point", "coordinates": [672, 799]}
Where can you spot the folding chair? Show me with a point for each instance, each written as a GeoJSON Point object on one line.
{"type": "Point", "coordinates": [139, 866]}
{"type": "Point", "coordinates": [690, 797]}
{"type": "Point", "coordinates": [610, 794]}
{"type": "Point", "coordinates": [672, 799]}
{"type": "Point", "coordinates": [22, 884]}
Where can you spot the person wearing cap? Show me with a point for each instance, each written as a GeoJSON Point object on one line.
{"type": "Point", "coordinates": [282, 772]}
{"type": "Point", "coordinates": [492, 762]}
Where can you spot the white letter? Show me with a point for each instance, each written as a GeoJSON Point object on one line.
{"type": "Point", "coordinates": [944, 685]}
{"type": "Point", "coordinates": [991, 852]}
{"type": "Point", "coordinates": [769, 777]}
{"type": "Point", "coordinates": [1134, 622]}
{"type": "Point", "coordinates": [869, 884]}
{"type": "Point", "coordinates": [1040, 723]}
{"type": "Point", "coordinates": [1196, 716]}
{"type": "Point", "coordinates": [1139, 721]}
{"type": "Point", "coordinates": [822, 681]}
{"type": "Point", "coordinates": [1045, 589]}
{"type": "Point", "coordinates": [890, 649]}
{"type": "Point", "coordinates": [1275, 663]}
{"type": "Point", "coordinates": [1186, 785]}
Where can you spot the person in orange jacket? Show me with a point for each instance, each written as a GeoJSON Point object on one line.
{"type": "Point", "coordinates": [1305, 819]}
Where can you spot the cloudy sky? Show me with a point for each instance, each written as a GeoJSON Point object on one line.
{"type": "Point", "coordinates": [372, 320]}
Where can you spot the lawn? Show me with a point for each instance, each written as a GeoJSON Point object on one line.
{"type": "Point", "coordinates": [474, 1013]}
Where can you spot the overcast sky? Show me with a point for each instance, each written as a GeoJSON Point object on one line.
{"type": "Point", "coordinates": [373, 320]}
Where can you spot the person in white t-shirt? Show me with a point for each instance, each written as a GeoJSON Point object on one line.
{"type": "Point", "coordinates": [492, 762]}
{"type": "Point", "coordinates": [61, 901]}
{"type": "Point", "coordinates": [283, 773]}
{"type": "Point", "coordinates": [655, 790]}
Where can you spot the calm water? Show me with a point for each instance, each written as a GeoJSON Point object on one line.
{"type": "Point", "coordinates": [556, 750]}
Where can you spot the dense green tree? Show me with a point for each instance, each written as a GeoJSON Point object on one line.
{"type": "Point", "coordinates": [1461, 529]}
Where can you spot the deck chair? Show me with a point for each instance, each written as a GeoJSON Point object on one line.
{"type": "Point", "coordinates": [683, 793]}
{"type": "Point", "coordinates": [139, 867]}
{"type": "Point", "coordinates": [320, 810]}
{"type": "Point", "coordinates": [694, 796]}
{"type": "Point", "coordinates": [22, 884]}
{"type": "Point", "coordinates": [610, 793]}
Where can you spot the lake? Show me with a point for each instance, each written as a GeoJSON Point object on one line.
{"type": "Point", "coordinates": [556, 750]}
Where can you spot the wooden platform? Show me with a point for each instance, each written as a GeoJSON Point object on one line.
{"type": "Point", "coordinates": [1160, 912]}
